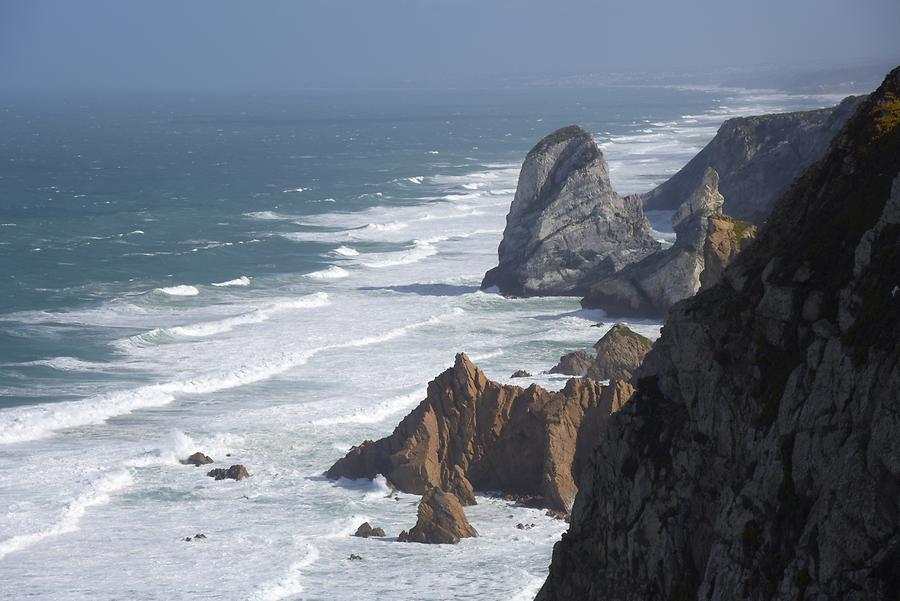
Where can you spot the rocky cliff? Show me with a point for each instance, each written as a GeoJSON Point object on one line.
{"type": "Point", "coordinates": [757, 158]}
{"type": "Point", "coordinates": [759, 457]}
{"type": "Point", "coordinates": [652, 285]}
{"type": "Point", "coordinates": [566, 225]}
{"type": "Point", "coordinates": [473, 433]}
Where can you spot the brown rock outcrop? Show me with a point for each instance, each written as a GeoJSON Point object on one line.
{"type": "Point", "coordinates": [235, 472]}
{"type": "Point", "coordinates": [440, 520]}
{"type": "Point", "coordinates": [473, 433]}
{"type": "Point", "coordinates": [575, 363]}
{"type": "Point", "coordinates": [725, 238]}
{"type": "Point", "coordinates": [365, 530]}
{"type": "Point", "coordinates": [619, 354]}
{"type": "Point", "coordinates": [197, 459]}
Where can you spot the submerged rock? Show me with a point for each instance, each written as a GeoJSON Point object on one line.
{"type": "Point", "coordinates": [235, 472]}
{"type": "Point", "coordinates": [365, 531]}
{"type": "Point", "coordinates": [759, 456]}
{"type": "Point", "coordinates": [521, 373]}
{"type": "Point", "coordinates": [650, 287]}
{"type": "Point", "coordinates": [575, 363]}
{"type": "Point", "coordinates": [197, 459]}
{"type": "Point", "coordinates": [440, 520]}
{"type": "Point", "coordinates": [473, 433]}
{"type": "Point", "coordinates": [757, 159]}
{"type": "Point", "coordinates": [566, 225]}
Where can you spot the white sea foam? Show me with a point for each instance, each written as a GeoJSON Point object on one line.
{"type": "Point", "coordinates": [292, 583]}
{"type": "Point", "coordinates": [38, 421]}
{"type": "Point", "coordinates": [241, 281]}
{"type": "Point", "coordinates": [219, 326]}
{"type": "Point", "coordinates": [392, 226]}
{"type": "Point", "coordinates": [421, 249]}
{"type": "Point", "coordinates": [416, 180]}
{"type": "Point", "coordinates": [331, 273]}
{"type": "Point", "coordinates": [346, 251]}
{"type": "Point", "coordinates": [182, 290]}
{"type": "Point", "coordinates": [295, 190]}
{"type": "Point", "coordinates": [73, 364]}
{"type": "Point", "coordinates": [531, 587]}
{"type": "Point", "coordinates": [376, 413]}
{"type": "Point", "coordinates": [269, 216]}
{"type": "Point", "coordinates": [99, 492]}
{"type": "Point", "coordinates": [175, 446]}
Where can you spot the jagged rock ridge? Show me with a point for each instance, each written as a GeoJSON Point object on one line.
{"type": "Point", "coordinates": [472, 433]}
{"type": "Point", "coordinates": [566, 225]}
{"type": "Point", "coordinates": [759, 457]}
{"type": "Point", "coordinates": [757, 158]}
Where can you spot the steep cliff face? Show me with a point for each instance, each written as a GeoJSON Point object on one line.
{"type": "Point", "coordinates": [566, 225]}
{"type": "Point", "coordinates": [757, 158]}
{"type": "Point", "coordinates": [473, 433]}
{"type": "Point", "coordinates": [651, 286]}
{"type": "Point", "coordinates": [759, 457]}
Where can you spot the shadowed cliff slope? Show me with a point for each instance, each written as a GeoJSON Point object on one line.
{"type": "Point", "coordinates": [759, 457]}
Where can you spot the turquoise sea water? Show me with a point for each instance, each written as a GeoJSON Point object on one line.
{"type": "Point", "coordinates": [274, 278]}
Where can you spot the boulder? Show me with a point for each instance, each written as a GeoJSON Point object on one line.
{"type": "Point", "coordinates": [235, 472]}
{"type": "Point", "coordinates": [365, 531]}
{"type": "Point", "coordinates": [472, 433]}
{"type": "Point", "coordinates": [619, 353]}
{"type": "Point", "coordinates": [521, 373]}
{"type": "Point", "coordinates": [649, 288]}
{"type": "Point", "coordinates": [440, 520]}
{"type": "Point", "coordinates": [575, 363]}
{"type": "Point", "coordinates": [757, 158]}
{"type": "Point", "coordinates": [566, 226]}
{"type": "Point", "coordinates": [197, 459]}
{"type": "Point", "coordinates": [759, 455]}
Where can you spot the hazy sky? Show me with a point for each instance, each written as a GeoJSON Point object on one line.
{"type": "Point", "coordinates": [193, 44]}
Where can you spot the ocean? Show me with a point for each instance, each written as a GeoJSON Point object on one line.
{"type": "Point", "coordinates": [271, 279]}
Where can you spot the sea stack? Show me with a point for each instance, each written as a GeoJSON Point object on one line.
{"type": "Point", "coordinates": [759, 457]}
{"type": "Point", "coordinates": [566, 225]}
